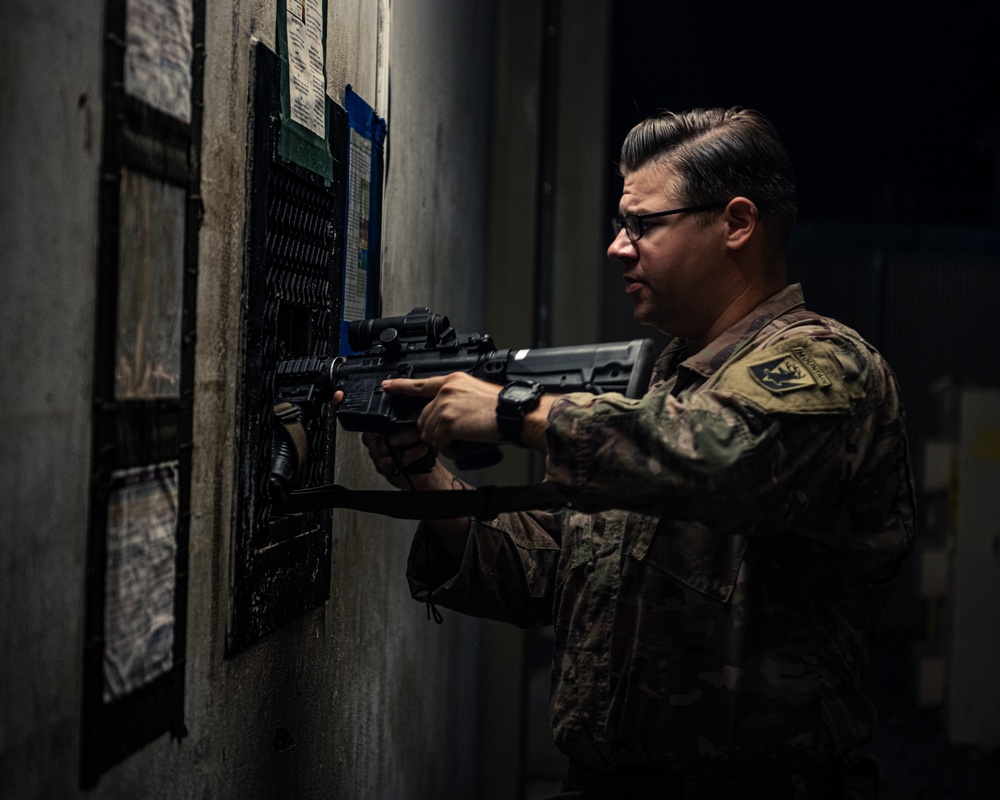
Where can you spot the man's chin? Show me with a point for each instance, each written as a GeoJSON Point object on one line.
{"type": "Point", "coordinates": [644, 316]}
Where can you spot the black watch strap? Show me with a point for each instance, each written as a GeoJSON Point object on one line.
{"type": "Point", "coordinates": [517, 399]}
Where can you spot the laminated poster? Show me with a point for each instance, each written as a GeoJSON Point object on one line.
{"type": "Point", "coordinates": [358, 239]}
{"type": "Point", "coordinates": [158, 53]}
{"type": "Point", "coordinates": [364, 213]}
{"type": "Point", "coordinates": [141, 578]}
{"type": "Point", "coordinates": [150, 289]}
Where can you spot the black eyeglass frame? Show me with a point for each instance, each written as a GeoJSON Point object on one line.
{"type": "Point", "coordinates": [617, 223]}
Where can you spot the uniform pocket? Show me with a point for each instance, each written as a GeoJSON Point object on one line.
{"type": "Point", "coordinates": [690, 553]}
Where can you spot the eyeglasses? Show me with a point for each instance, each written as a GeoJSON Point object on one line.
{"type": "Point", "coordinates": [632, 223]}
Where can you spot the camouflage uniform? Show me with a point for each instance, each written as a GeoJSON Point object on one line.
{"type": "Point", "coordinates": [717, 621]}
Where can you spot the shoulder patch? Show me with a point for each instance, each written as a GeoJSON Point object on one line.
{"type": "Point", "coordinates": [790, 372]}
{"type": "Point", "coordinates": [798, 376]}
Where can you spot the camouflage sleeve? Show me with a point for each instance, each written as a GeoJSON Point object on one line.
{"type": "Point", "coordinates": [507, 571]}
{"type": "Point", "coordinates": [767, 441]}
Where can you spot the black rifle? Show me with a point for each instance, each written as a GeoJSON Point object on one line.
{"type": "Point", "coordinates": [423, 345]}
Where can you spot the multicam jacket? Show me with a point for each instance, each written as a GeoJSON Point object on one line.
{"type": "Point", "coordinates": [732, 537]}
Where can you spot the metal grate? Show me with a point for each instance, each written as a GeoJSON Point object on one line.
{"type": "Point", "coordinates": [292, 278]}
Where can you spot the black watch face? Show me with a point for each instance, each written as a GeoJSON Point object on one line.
{"type": "Point", "coordinates": [518, 394]}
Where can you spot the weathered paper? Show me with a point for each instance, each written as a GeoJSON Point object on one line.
{"type": "Point", "coordinates": [158, 53]}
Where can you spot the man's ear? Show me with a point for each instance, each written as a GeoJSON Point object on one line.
{"type": "Point", "coordinates": [742, 222]}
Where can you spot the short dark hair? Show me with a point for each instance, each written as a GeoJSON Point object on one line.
{"type": "Point", "coordinates": [718, 154]}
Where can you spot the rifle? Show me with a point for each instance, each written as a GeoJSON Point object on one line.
{"type": "Point", "coordinates": [421, 345]}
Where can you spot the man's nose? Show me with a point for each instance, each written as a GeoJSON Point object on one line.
{"type": "Point", "coordinates": [621, 247]}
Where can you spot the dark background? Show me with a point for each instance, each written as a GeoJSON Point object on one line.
{"type": "Point", "coordinates": [883, 106]}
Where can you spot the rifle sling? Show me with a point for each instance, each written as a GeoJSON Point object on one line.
{"type": "Point", "coordinates": [289, 417]}
{"type": "Point", "coordinates": [482, 503]}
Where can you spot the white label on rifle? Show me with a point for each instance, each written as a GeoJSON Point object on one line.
{"type": "Point", "coordinates": [520, 354]}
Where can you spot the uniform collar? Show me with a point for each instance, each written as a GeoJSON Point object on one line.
{"type": "Point", "coordinates": [716, 353]}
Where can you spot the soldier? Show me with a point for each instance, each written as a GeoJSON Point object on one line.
{"type": "Point", "coordinates": [715, 582]}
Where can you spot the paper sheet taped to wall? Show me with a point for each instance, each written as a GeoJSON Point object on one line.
{"type": "Point", "coordinates": [306, 57]}
{"type": "Point", "coordinates": [304, 117]}
{"type": "Point", "coordinates": [141, 578]}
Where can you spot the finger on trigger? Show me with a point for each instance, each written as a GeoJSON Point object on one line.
{"type": "Point", "coordinates": [422, 387]}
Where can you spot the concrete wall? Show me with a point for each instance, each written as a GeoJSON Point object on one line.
{"type": "Point", "coordinates": [50, 145]}
{"type": "Point", "coordinates": [377, 702]}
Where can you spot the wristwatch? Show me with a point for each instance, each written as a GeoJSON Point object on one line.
{"type": "Point", "coordinates": [516, 399]}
